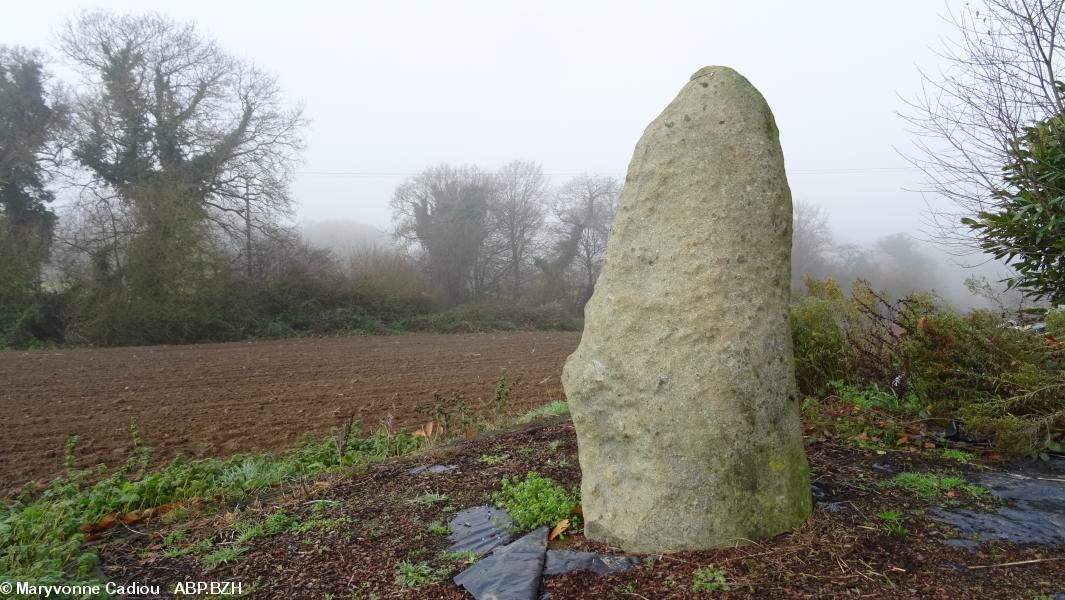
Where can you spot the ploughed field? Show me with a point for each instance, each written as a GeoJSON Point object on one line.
{"type": "Point", "coordinates": [221, 399]}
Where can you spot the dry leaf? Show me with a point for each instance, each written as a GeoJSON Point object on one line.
{"type": "Point", "coordinates": [561, 527]}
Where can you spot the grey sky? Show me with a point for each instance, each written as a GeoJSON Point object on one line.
{"type": "Point", "coordinates": [393, 87]}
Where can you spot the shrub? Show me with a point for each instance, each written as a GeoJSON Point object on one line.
{"type": "Point", "coordinates": [821, 352]}
{"type": "Point", "coordinates": [536, 501]}
{"type": "Point", "coordinates": [1005, 383]}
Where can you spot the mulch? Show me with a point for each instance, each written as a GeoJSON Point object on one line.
{"type": "Point", "coordinates": [842, 551]}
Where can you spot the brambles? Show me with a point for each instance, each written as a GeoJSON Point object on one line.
{"type": "Point", "coordinates": [915, 356]}
{"type": "Point", "coordinates": [536, 501]}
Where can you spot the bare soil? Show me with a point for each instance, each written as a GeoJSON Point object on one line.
{"type": "Point", "coordinates": [222, 399]}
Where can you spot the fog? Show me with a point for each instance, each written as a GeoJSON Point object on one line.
{"type": "Point", "coordinates": [393, 88]}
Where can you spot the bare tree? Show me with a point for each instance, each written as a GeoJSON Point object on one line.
{"type": "Point", "coordinates": [521, 191]}
{"type": "Point", "coordinates": [443, 211]}
{"type": "Point", "coordinates": [1001, 77]}
{"type": "Point", "coordinates": [179, 129]}
{"type": "Point", "coordinates": [811, 240]}
{"type": "Point", "coordinates": [588, 202]}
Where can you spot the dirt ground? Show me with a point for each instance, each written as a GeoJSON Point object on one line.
{"type": "Point", "coordinates": [222, 399]}
{"type": "Point", "coordinates": [368, 525]}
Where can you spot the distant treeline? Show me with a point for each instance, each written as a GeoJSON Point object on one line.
{"type": "Point", "coordinates": [174, 160]}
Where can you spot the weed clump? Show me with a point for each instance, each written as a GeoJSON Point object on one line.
{"type": "Point", "coordinates": [536, 501]}
{"type": "Point", "coordinates": [416, 575]}
{"type": "Point", "coordinates": [710, 579]}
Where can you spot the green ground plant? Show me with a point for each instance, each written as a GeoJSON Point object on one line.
{"type": "Point", "coordinates": [821, 351]}
{"type": "Point", "coordinates": [430, 498]}
{"type": "Point", "coordinates": [959, 456]}
{"type": "Point", "coordinates": [416, 575]}
{"type": "Point", "coordinates": [223, 556]}
{"type": "Point", "coordinates": [893, 522]}
{"type": "Point", "coordinates": [40, 539]}
{"type": "Point", "coordinates": [493, 459]}
{"type": "Point", "coordinates": [536, 501]}
{"type": "Point", "coordinates": [871, 397]}
{"type": "Point", "coordinates": [710, 579]}
{"type": "Point", "coordinates": [277, 523]}
{"type": "Point", "coordinates": [438, 528]}
{"type": "Point", "coordinates": [195, 548]}
{"type": "Point", "coordinates": [931, 486]}
{"type": "Point", "coordinates": [465, 557]}
{"type": "Point", "coordinates": [551, 409]}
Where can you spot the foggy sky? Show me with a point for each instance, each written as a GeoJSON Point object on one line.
{"type": "Point", "coordinates": [393, 87]}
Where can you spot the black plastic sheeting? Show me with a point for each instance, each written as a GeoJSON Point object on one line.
{"type": "Point", "coordinates": [513, 570]}
{"type": "Point", "coordinates": [567, 561]}
{"type": "Point", "coordinates": [480, 529]}
{"type": "Point", "coordinates": [1035, 513]}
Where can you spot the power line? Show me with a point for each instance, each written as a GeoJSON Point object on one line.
{"type": "Point", "coordinates": [828, 171]}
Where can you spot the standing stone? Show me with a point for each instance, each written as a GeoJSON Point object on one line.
{"type": "Point", "coordinates": [682, 390]}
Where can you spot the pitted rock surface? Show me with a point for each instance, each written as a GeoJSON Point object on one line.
{"type": "Point", "coordinates": [682, 389]}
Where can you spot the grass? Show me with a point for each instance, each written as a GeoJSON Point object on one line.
{"type": "Point", "coordinates": [931, 486]}
{"type": "Point", "coordinates": [40, 537]}
{"type": "Point", "coordinates": [438, 528]}
{"type": "Point", "coordinates": [536, 501]}
{"type": "Point", "coordinates": [956, 455]}
{"type": "Point", "coordinates": [415, 575]}
{"type": "Point", "coordinates": [551, 409]}
{"type": "Point", "coordinates": [710, 579]}
{"type": "Point", "coordinates": [893, 522]}
{"type": "Point", "coordinates": [430, 498]}
{"type": "Point", "coordinates": [464, 557]}
{"type": "Point", "coordinates": [174, 537]}
{"type": "Point", "coordinates": [195, 548]}
{"type": "Point", "coordinates": [223, 556]}
{"type": "Point", "coordinates": [493, 459]}
{"type": "Point", "coordinates": [276, 524]}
